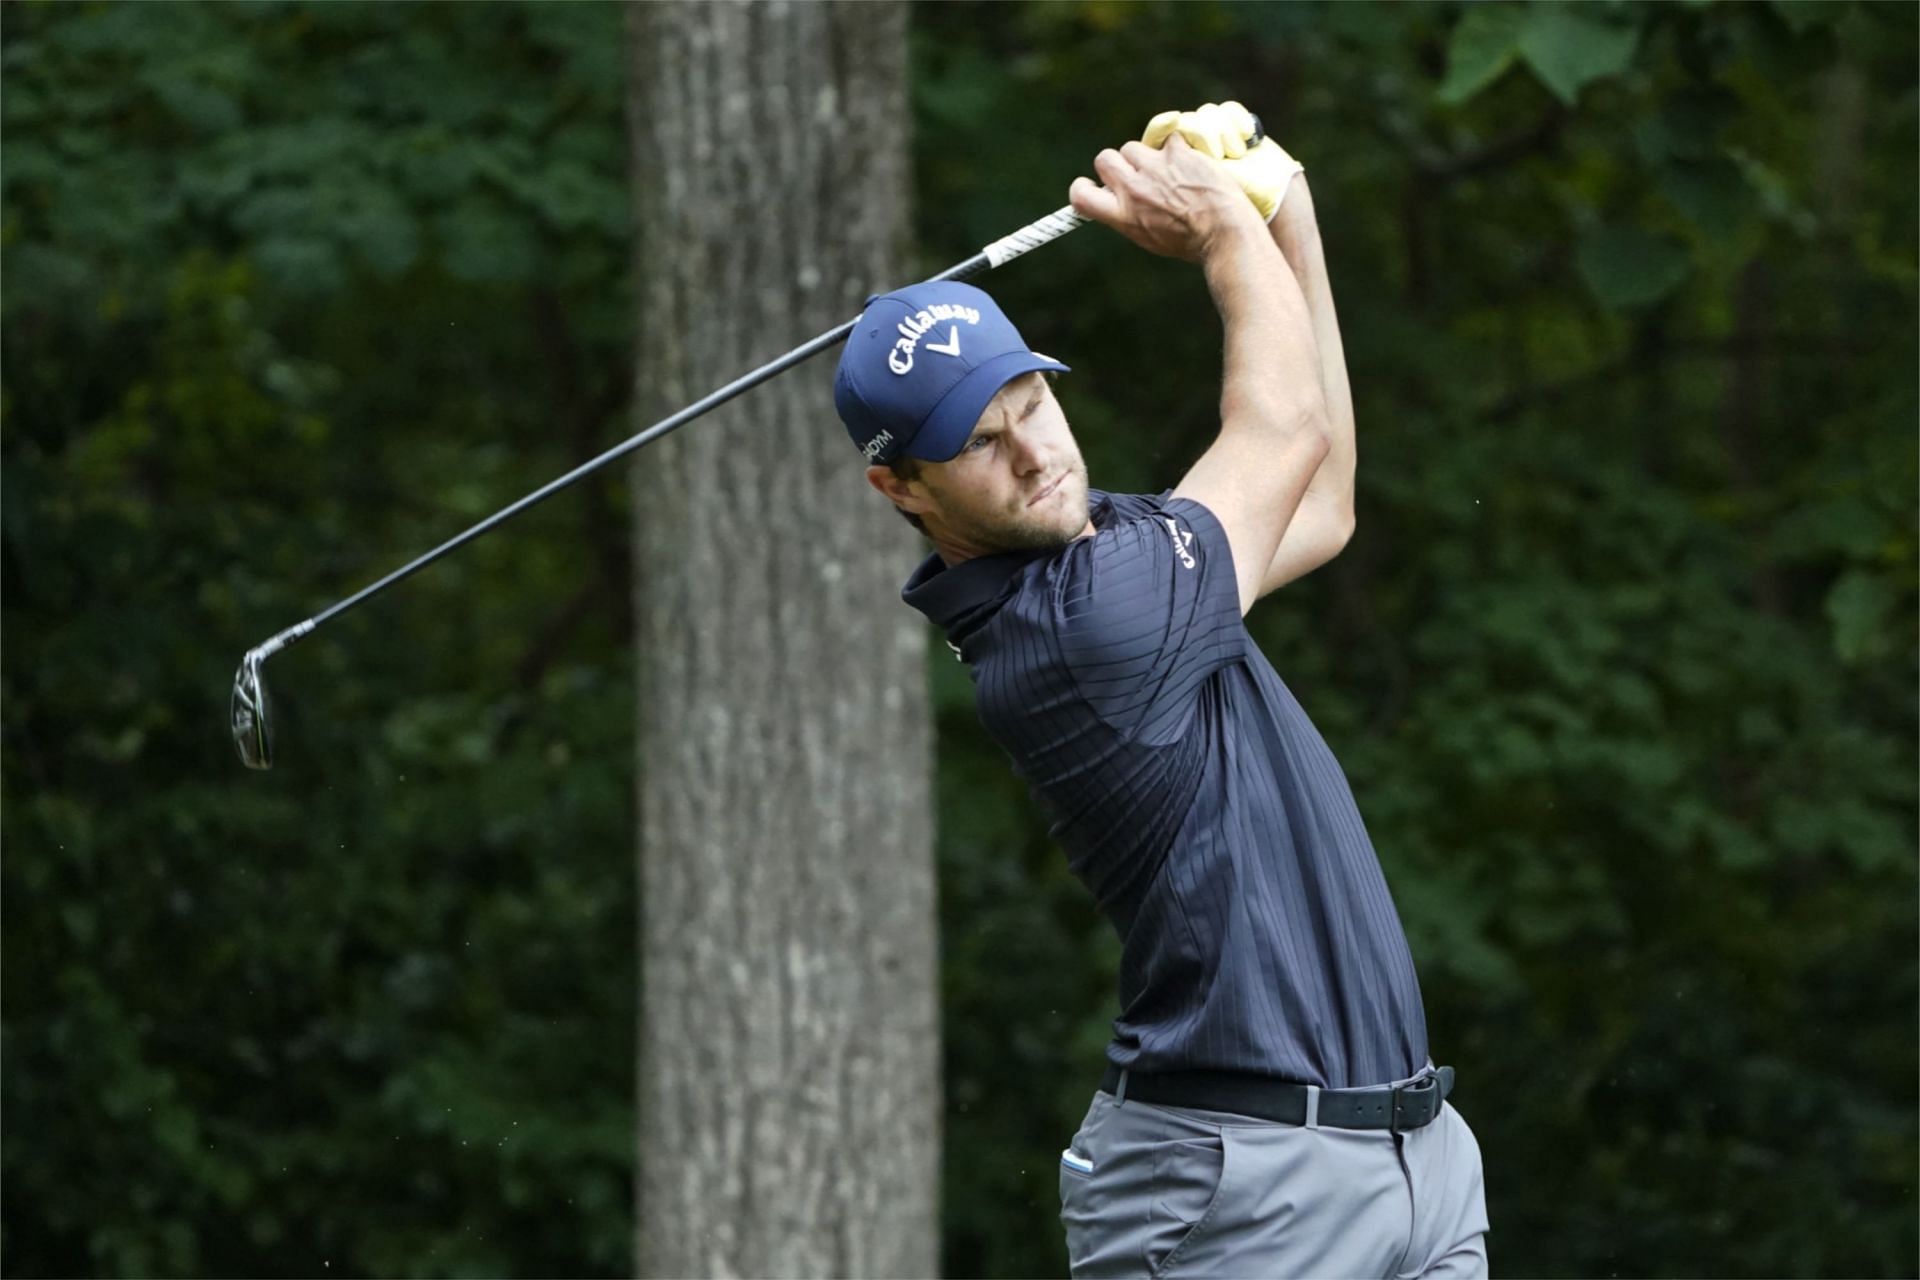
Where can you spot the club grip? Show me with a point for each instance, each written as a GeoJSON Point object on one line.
{"type": "Point", "coordinates": [1032, 236]}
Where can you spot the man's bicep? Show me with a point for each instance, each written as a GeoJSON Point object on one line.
{"type": "Point", "coordinates": [1253, 491]}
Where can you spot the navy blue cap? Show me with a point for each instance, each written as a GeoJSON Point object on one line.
{"type": "Point", "coordinates": [920, 367]}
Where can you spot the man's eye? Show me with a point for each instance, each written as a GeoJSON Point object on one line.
{"type": "Point", "coordinates": [978, 443]}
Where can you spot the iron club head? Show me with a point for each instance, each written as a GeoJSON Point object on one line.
{"type": "Point", "coordinates": [252, 722]}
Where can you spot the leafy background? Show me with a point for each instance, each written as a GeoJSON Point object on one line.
{"type": "Point", "coordinates": [1621, 663]}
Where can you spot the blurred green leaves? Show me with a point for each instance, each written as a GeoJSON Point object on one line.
{"type": "Point", "coordinates": [1567, 46]}
{"type": "Point", "coordinates": [370, 1013]}
{"type": "Point", "coordinates": [1861, 607]}
{"type": "Point", "coordinates": [1485, 43]}
{"type": "Point", "coordinates": [1627, 267]}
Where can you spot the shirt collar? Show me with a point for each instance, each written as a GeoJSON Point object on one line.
{"type": "Point", "coordinates": [950, 595]}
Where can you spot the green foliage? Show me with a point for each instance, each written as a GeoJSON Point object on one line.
{"type": "Point", "coordinates": [1621, 661]}
{"type": "Point", "coordinates": [1628, 268]}
{"type": "Point", "coordinates": [1486, 41]}
{"type": "Point", "coordinates": [1566, 46]}
{"type": "Point", "coordinates": [292, 292]}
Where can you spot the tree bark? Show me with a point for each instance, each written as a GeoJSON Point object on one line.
{"type": "Point", "coordinates": [789, 1033]}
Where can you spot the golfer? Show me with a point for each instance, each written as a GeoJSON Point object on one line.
{"type": "Point", "coordinates": [1269, 1107]}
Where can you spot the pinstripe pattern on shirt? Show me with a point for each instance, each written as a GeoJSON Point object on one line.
{"type": "Point", "coordinates": [1192, 795]}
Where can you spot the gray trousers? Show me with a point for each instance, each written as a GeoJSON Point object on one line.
{"type": "Point", "coordinates": [1157, 1191]}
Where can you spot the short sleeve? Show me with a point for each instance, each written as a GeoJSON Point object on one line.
{"type": "Point", "coordinates": [1145, 610]}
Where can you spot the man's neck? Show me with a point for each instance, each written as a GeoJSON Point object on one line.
{"type": "Point", "coordinates": [956, 551]}
{"type": "Point", "coordinates": [953, 551]}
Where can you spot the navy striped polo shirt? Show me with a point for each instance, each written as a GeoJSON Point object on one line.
{"type": "Point", "coordinates": [1192, 796]}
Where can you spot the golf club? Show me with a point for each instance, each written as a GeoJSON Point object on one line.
{"type": "Point", "coordinates": [251, 709]}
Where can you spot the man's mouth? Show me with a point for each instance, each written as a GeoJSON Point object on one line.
{"type": "Point", "coordinates": [1048, 490]}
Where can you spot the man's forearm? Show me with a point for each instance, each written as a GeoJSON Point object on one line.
{"type": "Point", "coordinates": [1272, 379]}
{"type": "Point", "coordinates": [1297, 233]}
{"type": "Point", "coordinates": [1273, 415]}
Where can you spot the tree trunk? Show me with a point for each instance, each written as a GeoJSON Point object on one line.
{"type": "Point", "coordinates": [789, 1033]}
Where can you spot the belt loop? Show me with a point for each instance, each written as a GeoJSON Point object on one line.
{"type": "Point", "coordinates": [1313, 1106]}
{"type": "Point", "coordinates": [1120, 1094]}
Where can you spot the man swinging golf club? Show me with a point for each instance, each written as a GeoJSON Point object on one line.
{"type": "Point", "coordinates": [1269, 1107]}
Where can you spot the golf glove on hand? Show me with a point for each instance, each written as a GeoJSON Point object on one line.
{"type": "Point", "coordinates": [1227, 131]}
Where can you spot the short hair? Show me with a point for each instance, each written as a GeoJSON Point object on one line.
{"type": "Point", "coordinates": [904, 469]}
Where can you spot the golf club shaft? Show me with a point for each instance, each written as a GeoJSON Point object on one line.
{"type": "Point", "coordinates": [1001, 251]}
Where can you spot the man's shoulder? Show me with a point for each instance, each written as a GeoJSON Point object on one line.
{"type": "Point", "coordinates": [1104, 580]}
{"type": "Point", "coordinates": [1126, 506]}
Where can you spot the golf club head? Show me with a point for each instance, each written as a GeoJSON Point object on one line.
{"type": "Point", "coordinates": [252, 722]}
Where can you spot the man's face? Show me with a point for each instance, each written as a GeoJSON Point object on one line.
{"type": "Point", "coordinates": [1018, 482]}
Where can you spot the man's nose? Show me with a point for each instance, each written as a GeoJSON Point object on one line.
{"type": "Point", "coordinates": [1029, 455]}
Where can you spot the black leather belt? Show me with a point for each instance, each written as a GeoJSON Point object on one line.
{"type": "Point", "coordinates": [1411, 1106]}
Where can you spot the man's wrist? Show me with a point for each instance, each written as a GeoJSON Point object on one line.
{"type": "Point", "coordinates": [1234, 235]}
{"type": "Point", "coordinates": [1295, 219]}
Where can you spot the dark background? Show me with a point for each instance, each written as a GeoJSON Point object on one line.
{"type": "Point", "coordinates": [1621, 662]}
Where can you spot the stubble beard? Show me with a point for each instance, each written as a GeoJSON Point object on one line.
{"type": "Point", "coordinates": [1024, 529]}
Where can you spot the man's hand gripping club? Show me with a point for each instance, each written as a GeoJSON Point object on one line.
{"type": "Point", "coordinates": [1174, 201]}
{"type": "Point", "coordinates": [1232, 135]}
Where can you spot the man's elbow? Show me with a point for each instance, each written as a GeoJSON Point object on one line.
{"type": "Point", "coordinates": [1345, 529]}
{"type": "Point", "coordinates": [1333, 526]}
{"type": "Point", "coordinates": [1312, 424]}
{"type": "Point", "coordinates": [1329, 539]}
{"type": "Point", "coordinates": [1296, 423]}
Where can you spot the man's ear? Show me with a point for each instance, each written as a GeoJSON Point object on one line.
{"type": "Point", "coordinates": [897, 491]}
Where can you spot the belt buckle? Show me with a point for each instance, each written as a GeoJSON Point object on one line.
{"type": "Point", "coordinates": [1423, 1090]}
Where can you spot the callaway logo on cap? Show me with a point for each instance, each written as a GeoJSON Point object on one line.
{"type": "Point", "coordinates": [920, 367]}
